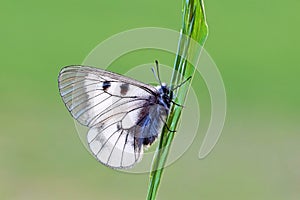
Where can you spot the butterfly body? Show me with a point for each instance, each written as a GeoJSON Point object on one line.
{"type": "Point", "coordinates": [123, 115]}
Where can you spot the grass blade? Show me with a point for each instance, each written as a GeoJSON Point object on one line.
{"type": "Point", "coordinates": [194, 27]}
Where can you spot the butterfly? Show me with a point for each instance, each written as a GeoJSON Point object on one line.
{"type": "Point", "coordinates": [123, 115]}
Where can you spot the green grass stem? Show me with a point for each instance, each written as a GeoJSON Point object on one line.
{"type": "Point", "coordinates": [194, 27]}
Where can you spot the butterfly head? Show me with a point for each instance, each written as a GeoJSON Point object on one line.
{"type": "Point", "coordinates": [165, 95]}
{"type": "Point", "coordinates": [164, 89]}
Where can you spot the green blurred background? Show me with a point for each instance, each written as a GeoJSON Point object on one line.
{"type": "Point", "coordinates": [255, 45]}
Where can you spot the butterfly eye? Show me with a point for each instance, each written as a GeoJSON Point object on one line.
{"type": "Point", "coordinates": [165, 89]}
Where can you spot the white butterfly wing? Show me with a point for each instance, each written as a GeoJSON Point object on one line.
{"type": "Point", "coordinates": [114, 147]}
{"type": "Point", "coordinates": [82, 91]}
{"type": "Point", "coordinates": [111, 105]}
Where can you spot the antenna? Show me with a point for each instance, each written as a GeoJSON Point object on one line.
{"type": "Point", "coordinates": [156, 74]}
{"type": "Point", "coordinates": [186, 80]}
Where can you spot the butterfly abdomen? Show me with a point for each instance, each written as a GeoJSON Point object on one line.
{"type": "Point", "coordinates": [150, 124]}
{"type": "Point", "coordinates": [149, 140]}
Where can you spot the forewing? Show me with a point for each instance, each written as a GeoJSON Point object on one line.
{"type": "Point", "coordinates": [93, 95]}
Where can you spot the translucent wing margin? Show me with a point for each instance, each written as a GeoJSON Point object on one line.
{"type": "Point", "coordinates": [110, 104]}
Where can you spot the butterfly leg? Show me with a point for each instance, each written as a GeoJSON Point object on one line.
{"type": "Point", "coordinates": [172, 131]}
{"type": "Point", "coordinates": [178, 86]}
{"type": "Point", "coordinates": [182, 106]}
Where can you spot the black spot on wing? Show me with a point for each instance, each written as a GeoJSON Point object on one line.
{"type": "Point", "coordinates": [124, 88]}
{"type": "Point", "coordinates": [106, 85]}
{"type": "Point", "coordinates": [119, 125]}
